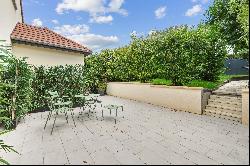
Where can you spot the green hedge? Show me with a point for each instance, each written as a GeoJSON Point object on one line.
{"type": "Point", "coordinates": [15, 86]}
{"type": "Point", "coordinates": [23, 87]}
{"type": "Point", "coordinates": [179, 54]}
{"type": "Point", "coordinates": [67, 80]}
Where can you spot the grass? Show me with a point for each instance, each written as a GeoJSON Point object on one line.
{"type": "Point", "coordinates": [200, 83]}
{"type": "Point", "coordinates": [159, 81]}
{"type": "Point", "coordinates": [205, 84]}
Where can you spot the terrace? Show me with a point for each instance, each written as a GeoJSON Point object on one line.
{"type": "Point", "coordinates": [146, 135]}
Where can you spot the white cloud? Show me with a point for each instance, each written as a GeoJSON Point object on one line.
{"type": "Point", "coordinates": [151, 32]}
{"type": "Point", "coordinates": [202, 1]}
{"type": "Point", "coordinates": [55, 21]}
{"type": "Point", "coordinates": [136, 34]}
{"type": "Point", "coordinates": [95, 8]}
{"type": "Point", "coordinates": [37, 22]}
{"type": "Point", "coordinates": [115, 6]}
{"type": "Point", "coordinates": [80, 34]}
{"type": "Point", "coordinates": [101, 19]}
{"type": "Point", "coordinates": [160, 12]}
{"type": "Point", "coordinates": [94, 41]}
{"type": "Point", "coordinates": [91, 6]}
{"type": "Point", "coordinates": [30, 2]}
{"type": "Point", "coordinates": [72, 29]}
{"type": "Point", "coordinates": [194, 11]}
{"type": "Point", "coordinates": [133, 33]}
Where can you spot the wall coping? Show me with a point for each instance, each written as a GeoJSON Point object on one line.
{"type": "Point", "coordinates": [246, 90]}
{"type": "Point", "coordinates": [159, 86]}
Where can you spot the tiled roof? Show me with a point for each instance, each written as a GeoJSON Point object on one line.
{"type": "Point", "coordinates": [43, 36]}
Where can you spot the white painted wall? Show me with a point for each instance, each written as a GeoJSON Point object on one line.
{"type": "Point", "coordinates": [245, 106]}
{"type": "Point", "coordinates": [19, 16]}
{"type": "Point", "coordinates": [46, 56]}
{"type": "Point", "coordinates": [179, 98]}
{"type": "Point", "coordinates": [8, 18]}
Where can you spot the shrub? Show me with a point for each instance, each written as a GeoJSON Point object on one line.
{"type": "Point", "coordinates": [179, 54]}
{"type": "Point", "coordinates": [19, 74]}
{"type": "Point", "coordinates": [95, 71]}
{"type": "Point", "coordinates": [15, 86]}
{"type": "Point", "coordinates": [67, 80]}
{"type": "Point", "coordinates": [23, 87]}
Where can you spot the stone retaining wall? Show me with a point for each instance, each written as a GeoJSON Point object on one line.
{"type": "Point", "coordinates": [245, 106]}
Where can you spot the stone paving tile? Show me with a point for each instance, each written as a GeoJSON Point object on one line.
{"type": "Point", "coordinates": [201, 159]}
{"type": "Point", "coordinates": [104, 157]}
{"type": "Point", "coordinates": [126, 157]}
{"type": "Point", "coordinates": [223, 158]}
{"type": "Point", "coordinates": [174, 146]}
{"type": "Point", "coordinates": [79, 157]}
{"type": "Point", "coordinates": [233, 87]}
{"type": "Point", "coordinates": [58, 157]}
{"type": "Point", "coordinates": [31, 158]}
{"type": "Point", "coordinates": [146, 135]}
{"type": "Point", "coordinates": [236, 154]}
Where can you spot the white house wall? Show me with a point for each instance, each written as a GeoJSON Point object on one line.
{"type": "Point", "coordinates": [46, 56]}
{"type": "Point", "coordinates": [8, 18]}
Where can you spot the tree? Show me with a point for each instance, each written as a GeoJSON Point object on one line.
{"type": "Point", "coordinates": [232, 19]}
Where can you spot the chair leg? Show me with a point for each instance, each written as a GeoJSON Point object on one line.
{"type": "Point", "coordinates": [54, 124]}
{"type": "Point", "coordinates": [48, 117]}
{"type": "Point", "coordinates": [81, 112]}
{"type": "Point", "coordinates": [122, 111]}
{"type": "Point", "coordinates": [66, 115]}
{"type": "Point", "coordinates": [88, 113]}
{"type": "Point", "coordinates": [72, 114]}
{"type": "Point", "coordinates": [116, 112]}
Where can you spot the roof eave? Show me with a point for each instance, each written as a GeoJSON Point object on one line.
{"type": "Point", "coordinates": [27, 42]}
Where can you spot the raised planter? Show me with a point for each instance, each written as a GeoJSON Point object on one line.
{"type": "Point", "coordinates": [176, 97]}
{"type": "Point", "coordinates": [245, 106]}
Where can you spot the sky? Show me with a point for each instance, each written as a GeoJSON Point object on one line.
{"type": "Point", "coordinates": [101, 24]}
